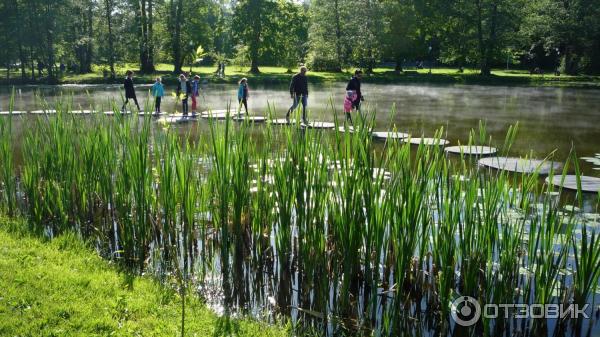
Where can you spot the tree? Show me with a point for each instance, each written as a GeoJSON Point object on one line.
{"type": "Point", "coordinates": [330, 34]}
{"type": "Point", "coordinates": [570, 27]}
{"type": "Point", "coordinates": [254, 25]}
{"type": "Point", "coordinates": [292, 34]}
{"type": "Point", "coordinates": [108, 8]}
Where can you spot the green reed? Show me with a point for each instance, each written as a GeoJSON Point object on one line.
{"type": "Point", "coordinates": [401, 230]}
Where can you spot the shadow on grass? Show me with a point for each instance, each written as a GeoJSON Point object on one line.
{"type": "Point", "coordinates": [225, 326]}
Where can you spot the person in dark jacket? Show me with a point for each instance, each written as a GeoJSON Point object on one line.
{"type": "Point", "coordinates": [299, 93]}
{"type": "Point", "coordinates": [129, 91]}
{"type": "Point", "coordinates": [354, 85]}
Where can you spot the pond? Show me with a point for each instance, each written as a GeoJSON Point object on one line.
{"type": "Point", "coordinates": [303, 227]}
{"type": "Point", "coordinates": [550, 119]}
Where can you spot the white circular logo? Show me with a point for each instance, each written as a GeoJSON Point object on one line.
{"type": "Point", "coordinates": [465, 310]}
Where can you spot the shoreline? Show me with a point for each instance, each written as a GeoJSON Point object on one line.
{"type": "Point", "coordinates": [279, 76]}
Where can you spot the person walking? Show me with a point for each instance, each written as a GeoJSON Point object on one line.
{"type": "Point", "coordinates": [299, 93]}
{"type": "Point", "coordinates": [243, 95]}
{"type": "Point", "coordinates": [354, 85]}
{"type": "Point", "coordinates": [195, 93]}
{"type": "Point", "coordinates": [348, 104]}
{"type": "Point", "coordinates": [183, 91]}
{"type": "Point", "coordinates": [158, 91]}
{"type": "Point", "coordinates": [129, 91]}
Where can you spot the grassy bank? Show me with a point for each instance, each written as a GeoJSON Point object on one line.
{"type": "Point", "coordinates": [62, 288]}
{"type": "Point", "coordinates": [277, 75]}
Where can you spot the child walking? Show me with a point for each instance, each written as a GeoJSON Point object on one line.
{"type": "Point", "coordinates": [348, 104]}
{"type": "Point", "coordinates": [183, 91]}
{"type": "Point", "coordinates": [158, 91]}
{"type": "Point", "coordinates": [243, 95]}
{"type": "Point", "coordinates": [195, 92]}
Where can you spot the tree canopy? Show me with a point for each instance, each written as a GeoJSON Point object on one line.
{"type": "Point", "coordinates": [43, 38]}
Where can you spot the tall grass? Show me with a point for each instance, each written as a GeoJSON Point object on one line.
{"type": "Point", "coordinates": [340, 233]}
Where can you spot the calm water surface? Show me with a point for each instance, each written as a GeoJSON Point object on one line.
{"type": "Point", "coordinates": [550, 118]}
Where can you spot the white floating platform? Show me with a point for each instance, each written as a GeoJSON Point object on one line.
{"type": "Point", "coordinates": [216, 114]}
{"type": "Point", "coordinates": [282, 121]}
{"type": "Point", "coordinates": [472, 150]}
{"type": "Point", "coordinates": [43, 112]}
{"type": "Point", "coordinates": [189, 115]}
{"type": "Point", "coordinates": [250, 119]}
{"type": "Point", "coordinates": [81, 112]}
{"type": "Point", "coordinates": [588, 184]}
{"type": "Point", "coordinates": [153, 114]}
{"type": "Point", "coordinates": [173, 119]}
{"type": "Point", "coordinates": [112, 113]}
{"type": "Point", "coordinates": [389, 135]}
{"type": "Point", "coordinates": [319, 125]}
{"type": "Point", "coordinates": [520, 165]}
{"type": "Point", "coordinates": [350, 129]}
{"type": "Point", "coordinates": [428, 141]}
{"type": "Point", "coordinates": [8, 113]}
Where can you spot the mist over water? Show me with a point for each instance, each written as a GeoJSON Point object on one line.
{"type": "Point", "coordinates": [549, 118]}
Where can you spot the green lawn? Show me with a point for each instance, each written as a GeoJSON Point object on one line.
{"type": "Point", "coordinates": [62, 288]}
{"type": "Point", "coordinates": [380, 75]}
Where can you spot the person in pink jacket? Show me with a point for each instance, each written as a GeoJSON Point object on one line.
{"type": "Point", "coordinates": [351, 96]}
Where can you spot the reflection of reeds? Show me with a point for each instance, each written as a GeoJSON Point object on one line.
{"type": "Point", "coordinates": [367, 236]}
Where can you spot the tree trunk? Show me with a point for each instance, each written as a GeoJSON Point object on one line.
{"type": "Point", "coordinates": [87, 67]}
{"type": "Point", "coordinates": [177, 59]}
{"type": "Point", "coordinates": [570, 63]}
{"type": "Point", "coordinates": [338, 36]}
{"type": "Point", "coordinates": [151, 34]}
{"type": "Point", "coordinates": [146, 65]}
{"type": "Point", "coordinates": [398, 68]}
{"type": "Point", "coordinates": [483, 61]}
{"type": "Point", "coordinates": [255, 46]}
{"type": "Point", "coordinates": [50, 47]}
{"type": "Point", "coordinates": [111, 48]}
{"type": "Point", "coordinates": [22, 58]}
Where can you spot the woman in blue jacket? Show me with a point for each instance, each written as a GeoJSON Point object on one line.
{"type": "Point", "coordinates": [243, 95]}
{"type": "Point", "coordinates": [158, 91]}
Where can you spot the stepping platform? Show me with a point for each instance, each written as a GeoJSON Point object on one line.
{"type": "Point", "coordinates": [153, 114]}
{"type": "Point", "coordinates": [282, 121]}
{"type": "Point", "coordinates": [520, 165]}
{"type": "Point", "coordinates": [472, 150]}
{"type": "Point", "coordinates": [215, 114]}
{"type": "Point", "coordinates": [8, 113]}
{"type": "Point", "coordinates": [112, 113]}
{"type": "Point", "coordinates": [350, 129]}
{"type": "Point", "coordinates": [588, 184]}
{"type": "Point", "coordinates": [175, 119]}
{"type": "Point", "coordinates": [250, 119]}
{"type": "Point", "coordinates": [389, 135]}
{"type": "Point", "coordinates": [43, 112]}
{"type": "Point", "coordinates": [188, 116]}
{"type": "Point", "coordinates": [428, 141]}
{"type": "Point", "coordinates": [319, 125]}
